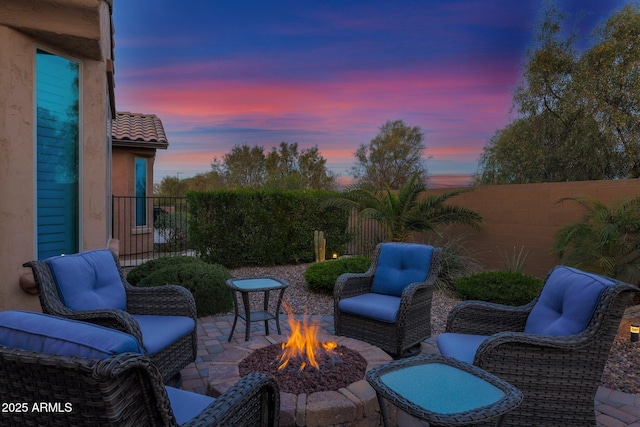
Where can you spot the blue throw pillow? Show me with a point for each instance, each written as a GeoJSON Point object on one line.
{"type": "Point", "coordinates": [88, 280]}
{"type": "Point", "coordinates": [399, 265]}
{"type": "Point", "coordinates": [65, 337]}
{"type": "Point", "coordinates": [567, 302]}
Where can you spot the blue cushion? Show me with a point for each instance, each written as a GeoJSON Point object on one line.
{"type": "Point", "coordinates": [54, 335]}
{"type": "Point", "coordinates": [158, 332]}
{"type": "Point", "coordinates": [460, 346]}
{"type": "Point", "coordinates": [186, 405]}
{"type": "Point", "coordinates": [88, 280]}
{"type": "Point", "coordinates": [373, 306]}
{"type": "Point", "coordinates": [567, 302]}
{"type": "Point", "coordinates": [399, 265]}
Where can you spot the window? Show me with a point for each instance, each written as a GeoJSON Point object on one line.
{"type": "Point", "coordinates": [141, 192]}
{"type": "Point", "coordinates": [57, 154]}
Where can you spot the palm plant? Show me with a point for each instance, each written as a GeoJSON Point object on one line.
{"type": "Point", "coordinates": [404, 211]}
{"type": "Point", "coordinates": [607, 241]}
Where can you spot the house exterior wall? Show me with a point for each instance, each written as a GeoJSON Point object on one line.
{"type": "Point", "coordinates": [132, 240]}
{"type": "Point", "coordinates": [528, 215]}
{"type": "Point", "coordinates": [17, 135]}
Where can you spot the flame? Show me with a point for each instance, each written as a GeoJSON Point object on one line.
{"type": "Point", "coordinates": [303, 342]}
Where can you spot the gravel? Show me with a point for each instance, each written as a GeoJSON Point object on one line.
{"type": "Point", "coordinates": [621, 373]}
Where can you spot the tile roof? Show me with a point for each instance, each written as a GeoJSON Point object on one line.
{"type": "Point", "coordinates": [138, 130]}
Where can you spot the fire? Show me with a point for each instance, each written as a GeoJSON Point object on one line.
{"type": "Point", "coordinates": [303, 343]}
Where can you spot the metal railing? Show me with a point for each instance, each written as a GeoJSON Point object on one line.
{"type": "Point", "coordinates": [149, 227]}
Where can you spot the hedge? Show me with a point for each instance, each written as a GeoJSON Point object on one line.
{"type": "Point", "coordinates": [238, 228]}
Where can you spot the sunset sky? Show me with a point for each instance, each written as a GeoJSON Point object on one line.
{"type": "Point", "coordinates": [220, 73]}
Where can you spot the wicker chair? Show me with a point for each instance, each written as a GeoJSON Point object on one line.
{"type": "Point", "coordinates": [91, 286]}
{"type": "Point", "coordinates": [389, 305]}
{"type": "Point", "coordinates": [553, 349]}
{"type": "Point", "coordinates": [48, 379]}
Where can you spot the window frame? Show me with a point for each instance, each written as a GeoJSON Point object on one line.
{"type": "Point", "coordinates": [80, 146]}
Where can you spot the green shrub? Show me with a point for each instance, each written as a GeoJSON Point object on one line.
{"type": "Point", "coordinates": [321, 276]}
{"type": "Point", "coordinates": [207, 283]}
{"type": "Point", "coordinates": [502, 287]}
{"type": "Point", "coordinates": [248, 227]}
{"type": "Point", "coordinates": [145, 269]}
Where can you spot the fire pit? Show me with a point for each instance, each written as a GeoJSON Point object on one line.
{"type": "Point", "coordinates": [321, 380]}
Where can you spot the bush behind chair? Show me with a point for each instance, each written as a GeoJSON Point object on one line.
{"type": "Point", "coordinates": [501, 287]}
{"type": "Point", "coordinates": [207, 282]}
{"type": "Point", "coordinates": [322, 277]}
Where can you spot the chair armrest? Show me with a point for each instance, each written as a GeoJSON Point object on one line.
{"type": "Point", "coordinates": [109, 318]}
{"type": "Point", "coordinates": [352, 284]}
{"type": "Point", "coordinates": [419, 290]}
{"type": "Point", "coordinates": [485, 318]}
{"type": "Point", "coordinates": [167, 300]}
{"type": "Point", "coordinates": [510, 355]}
{"type": "Point", "coordinates": [243, 404]}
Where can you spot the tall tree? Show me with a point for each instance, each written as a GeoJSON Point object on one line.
{"type": "Point", "coordinates": [392, 157]}
{"type": "Point", "coordinates": [567, 128]}
{"type": "Point", "coordinates": [244, 166]}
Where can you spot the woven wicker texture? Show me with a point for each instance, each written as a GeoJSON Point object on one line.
{"type": "Point", "coordinates": [511, 399]}
{"type": "Point", "coordinates": [170, 300]}
{"type": "Point", "coordinates": [559, 375]}
{"type": "Point", "coordinates": [123, 390]}
{"type": "Point", "coordinates": [414, 316]}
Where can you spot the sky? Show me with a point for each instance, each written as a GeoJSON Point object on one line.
{"type": "Point", "coordinates": [330, 73]}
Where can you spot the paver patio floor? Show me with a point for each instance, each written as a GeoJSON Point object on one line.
{"type": "Point", "coordinates": [613, 408]}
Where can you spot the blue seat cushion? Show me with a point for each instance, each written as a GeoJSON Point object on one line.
{"type": "Point", "coordinates": [187, 405]}
{"type": "Point", "coordinates": [567, 302]}
{"type": "Point", "coordinates": [460, 346]}
{"type": "Point", "coordinates": [372, 306]}
{"type": "Point", "coordinates": [88, 280]}
{"type": "Point", "coordinates": [399, 265]}
{"type": "Point", "coordinates": [159, 332]}
{"type": "Point", "coordinates": [54, 335]}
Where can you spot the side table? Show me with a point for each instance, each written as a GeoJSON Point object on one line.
{"type": "Point", "coordinates": [443, 391]}
{"type": "Point", "coordinates": [256, 284]}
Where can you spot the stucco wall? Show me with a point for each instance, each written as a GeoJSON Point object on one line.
{"type": "Point", "coordinates": [528, 215]}
{"type": "Point", "coordinates": [132, 239]}
{"type": "Point", "coordinates": [17, 144]}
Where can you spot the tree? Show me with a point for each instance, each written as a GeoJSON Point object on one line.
{"type": "Point", "coordinates": [243, 167]}
{"type": "Point", "coordinates": [170, 186]}
{"type": "Point", "coordinates": [404, 211]}
{"type": "Point", "coordinates": [289, 169]}
{"type": "Point", "coordinates": [611, 72]}
{"type": "Point", "coordinates": [392, 157]}
{"type": "Point", "coordinates": [567, 127]}
{"type": "Point", "coordinates": [606, 241]}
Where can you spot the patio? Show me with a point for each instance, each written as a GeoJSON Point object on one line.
{"type": "Point", "coordinates": [613, 408]}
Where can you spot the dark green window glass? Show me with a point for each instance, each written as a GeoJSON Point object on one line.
{"type": "Point", "coordinates": [57, 135]}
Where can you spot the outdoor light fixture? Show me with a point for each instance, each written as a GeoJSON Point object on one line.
{"type": "Point", "coordinates": [334, 255]}
{"type": "Point", "coordinates": [635, 331]}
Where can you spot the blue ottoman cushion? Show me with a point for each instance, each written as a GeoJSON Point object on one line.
{"type": "Point", "coordinates": [399, 265]}
{"type": "Point", "coordinates": [373, 306]}
{"type": "Point", "coordinates": [88, 280]}
{"type": "Point", "coordinates": [54, 335]}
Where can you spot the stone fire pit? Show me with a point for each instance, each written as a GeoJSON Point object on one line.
{"type": "Point", "coordinates": [355, 405]}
